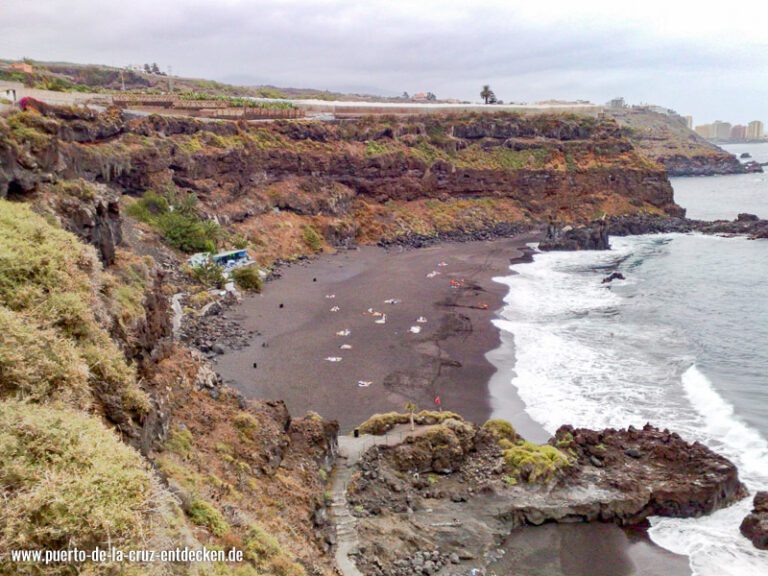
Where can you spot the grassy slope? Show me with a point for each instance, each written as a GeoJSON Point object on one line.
{"type": "Point", "coordinates": [65, 76]}
{"type": "Point", "coordinates": [67, 480]}
{"type": "Point", "coordinates": [659, 135]}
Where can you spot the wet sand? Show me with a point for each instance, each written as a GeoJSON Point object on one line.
{"type": "Point", "coordinates": [586, 550]}
{"type": "Point", "coordinates": [446, 358]}
{"type": "Point", "coordinates": [454, 356]}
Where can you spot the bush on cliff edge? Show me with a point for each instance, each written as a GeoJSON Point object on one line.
{"type": "Point", "coordinates": [175, 217]}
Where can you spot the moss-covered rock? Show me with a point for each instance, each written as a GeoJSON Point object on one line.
{"type": "Point", "coordinates": [379, 424]}
{"type": "Point", "coordinates": [533, 462]}
{"type": "Point", "coordinates": [501, 429]}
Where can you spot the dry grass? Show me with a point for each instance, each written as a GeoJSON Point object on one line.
{"type": "Point", "coordinates": [68, 482]}
{"type": "Point", "coordinates": [379, 424]}
{"type": "Point", "coordinates": [51, 291]}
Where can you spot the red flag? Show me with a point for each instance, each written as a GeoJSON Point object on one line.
{"type": "Point", "coordinates": [437, 400]}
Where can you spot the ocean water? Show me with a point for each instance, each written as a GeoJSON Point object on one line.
{"type": "Point", "coordinates": [712, 197]}
{"type": "Point", "coordinates": [681, 343]}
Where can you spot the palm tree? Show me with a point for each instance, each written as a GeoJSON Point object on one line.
{"type": "Point", "coordinates": [411, 409]}
{"type": "Point", "coordinates": [487, 94]}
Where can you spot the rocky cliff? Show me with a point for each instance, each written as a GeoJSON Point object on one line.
{"type": "Point", "coordinates": [666, 140]}
{"type": "Point", "coordinates": [96, 211]}
{"type": "Point", "coordinates": [113, 433]}
{"type": "Point", "coordinates": [596, 235]}
{"type": "Point", "coordinates": [283, 184]}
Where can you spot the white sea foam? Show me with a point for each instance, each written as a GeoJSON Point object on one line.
{"type": "Point", "coordinates": [714, 543]}
{"type": "Point", "coordinates": [581, 360]}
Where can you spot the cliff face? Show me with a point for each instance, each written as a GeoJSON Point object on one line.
{"type": "Point", "coordinates": [368, 180]}
{"type": "Point", "coordinates": [667, 140]}
{"type": "Point", "coordinates": [101, 403]}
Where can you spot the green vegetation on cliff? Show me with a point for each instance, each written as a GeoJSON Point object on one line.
{"type": "Point", "coordinates": [176, 219]}
{"type": "Point", "coordinates": [525, 460]}
{"type": "Point", "coordinates": [54, 342]}
{"type": "Point", "coordinates": [248, 279]}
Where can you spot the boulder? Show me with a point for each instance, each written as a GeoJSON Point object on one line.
{"type": "Point", "coordinates": [591, 237]}
{"type": "Point", "coordinates": [658, 473]}
{"type": "Point", "coordinates": [755, 524]}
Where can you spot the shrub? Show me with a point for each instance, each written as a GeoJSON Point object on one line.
{"type": "Point", "coordinates": [179, 442]}
{"type": "Point", "coordinates": [312, 239]}
{"type": "Point", "coordinates": [501, 429]}
{"type": "Point", "coordinates": [176, 219]}
{"type": "Point", "coordinates": [148, 207]}
{"type": "Point", "coordinates": [533, 462]}
{"type": "Point", "coordinates": [246, 424]}
{"type": "Point", "coordinates": [204, 514]}
{"type": "Point", "coordinates": [209, 274]}
{"type": "Point", "coordinates": [68, 481]}
{"type": "Point", "coordinates": [265, 552]}
{"type": "Point", "coordinates": [31, 128]}
{"type": "Point", "coordinates": [247, 278]}
{"type": "Point", "coordinates": [187, 233]}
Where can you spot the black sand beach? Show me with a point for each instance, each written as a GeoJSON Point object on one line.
{"type": "Point", "coordinates": [445, 359]}
{"type": "Point", "coordinates": [454, 356]}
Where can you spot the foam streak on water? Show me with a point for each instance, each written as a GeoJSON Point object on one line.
{"type": "Point", "coordinates": [594, 355]}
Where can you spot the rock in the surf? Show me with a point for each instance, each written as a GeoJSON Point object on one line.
{"type": "Point", "coordinates": [614, 276]}
{"type": "Point", "coordinates": [755, 524]}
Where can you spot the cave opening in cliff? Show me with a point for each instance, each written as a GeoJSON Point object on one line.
{"type": "Point", "coordinates": [16, 191]}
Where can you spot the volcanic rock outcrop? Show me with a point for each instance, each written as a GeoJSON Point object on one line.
{"type": "Point", "coordinates": [595, 236]}
{"type": "Point", "coordinates": [454, 491]}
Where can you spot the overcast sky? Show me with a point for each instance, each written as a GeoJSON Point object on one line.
{"type": "Point", "coordinates": [708, 59]}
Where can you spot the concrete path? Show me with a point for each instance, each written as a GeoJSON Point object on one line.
{"type": "Point", "coordinates": [350, 451]}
